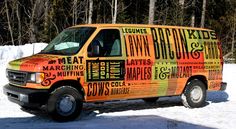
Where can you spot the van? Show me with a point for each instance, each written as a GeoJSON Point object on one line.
{"type": "Point", "coordinates": [105, 62]}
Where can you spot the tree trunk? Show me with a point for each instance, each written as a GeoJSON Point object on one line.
{"type": "Point", "coordinates": [203, 13]}
{"type": "Point", "coordinates": [32, 26]}
{"type": "Point", "coordinates": [136, 12]}
{"type": "Point", "coordinates": [181, 3]}
{"type": "Point", "coordinates": [98, 12]}
{"type": "Point", "coordinates": [90, 11]}
{"type": "Point", "coordinates": [104, 14]}
{"type": "Point", "coordinates": [9, 22]}
{"type": "Point", "coordinates": [86, 11]}
{"type": "Point", "coordinates": [115, 13]}
{"type": "Point", "coordinates": [233, 32]}
{"type": "Point", "coordinates": [19, 23]}
{"type": "Point", "coordinates": [112, 10]}
{"type": "Point", "coordinates": [75, 11]}
{"type": "Point", "coordinates": [151, 11]}
{"type": "Point", "coordinates": [193, 19]}
{"type": "Point", "coordinates": [233, 40]}
{"type": "Point", "coordinates": [193, 14]}
{"type": "Point", "coordinates": [166, 15]}
{"type": "Point", "coordinates": [46, 18]}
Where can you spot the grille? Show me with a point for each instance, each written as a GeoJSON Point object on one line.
{"type": "Point", "coordinates": [17, 77]}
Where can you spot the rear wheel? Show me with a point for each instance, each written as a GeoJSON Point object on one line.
{"type": "Point", "coordinates": [64, 103]}
{"type": "Point", "coordinates": [194, 95]}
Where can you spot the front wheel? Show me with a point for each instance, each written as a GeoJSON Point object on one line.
{"type": "Point", "coordinates": [194, 95]}
{"type": "Point", "coordinates": [64, 103]}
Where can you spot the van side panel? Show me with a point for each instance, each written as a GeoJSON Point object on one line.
{"type": "Point", "coordinates": [159, 61]}
{"type": "Point", "coordinates": [178, 55]}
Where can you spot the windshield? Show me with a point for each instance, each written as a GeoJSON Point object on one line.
{"type": "Point", "coordinates": [69, 41]}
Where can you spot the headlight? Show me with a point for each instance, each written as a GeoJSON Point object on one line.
{"type": "Point", "coordinates": [35, 77]}
{"type": "Point", "coordinates": [39, 77]}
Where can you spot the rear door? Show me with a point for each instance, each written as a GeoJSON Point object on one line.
{"type": "Point", "coordinates": [139, 62]}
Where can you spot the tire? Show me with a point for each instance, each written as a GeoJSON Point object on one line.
{"type": "Point", "coordinates": [64, 104]}
{"type": "Point", "coordinates": [151, 100]}
{"type": "Point", "coordinates": [194, 95]}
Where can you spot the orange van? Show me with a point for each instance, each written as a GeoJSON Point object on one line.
{"type": "Point", "coordinates": [104, 62]}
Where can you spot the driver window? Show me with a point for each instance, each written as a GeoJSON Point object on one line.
{"type": "Point", "coordinates": [106, 44]}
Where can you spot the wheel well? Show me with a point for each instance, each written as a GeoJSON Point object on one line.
{"type": "Point", "coordinates": [73, 83]}
{"type": "Point", "coordinates": [199, 77]}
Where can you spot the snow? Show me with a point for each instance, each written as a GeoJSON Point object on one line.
{"type": "Point", "coordinates": [8, 53]}
{"type": "Point", "coordinates": [167, 113]}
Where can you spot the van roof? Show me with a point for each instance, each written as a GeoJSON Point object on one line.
{"type": "Point", "coordinates": [137, 25]}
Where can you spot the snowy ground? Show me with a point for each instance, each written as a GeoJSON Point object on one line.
{"type": "Point", "coordinates": [167, 113]}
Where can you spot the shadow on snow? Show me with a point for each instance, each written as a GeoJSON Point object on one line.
{"type": "Point", "coordinates": [90, 116]}
{"type": "Point", "coordinates": [100, 122]}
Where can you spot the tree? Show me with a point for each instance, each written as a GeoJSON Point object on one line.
{"type": "Point", "coordinates": [46, 20]}
{"type": "Point", "coordinates": [233, 33]}
{"type": "Point", "coordinates": [74, 13]}
{"type": "Point", "coordinates": [193, 13]}
{"type": "Point", "coordinates": [18, 22]}
{"type": "Point", "coordinates": [114, 11]}
{"type": "Point", "coordinates": [113, 5]}
{"type": "Point", "coordinates": [24, 21]}
{"type": "Point", "coordinates": [9, 22]}
{"type": "Point", "coordinates": [36, 13]}
{"type": "Point", "coordinates": [231, 18]}
{"type": "Point", "coordinates": [90, 11]}
{"type": "Point", "coordinates": [151, 11]}
{"type": "Point", "coordinates": [203, 13]}
{"type": "Point", "coordinates": [181, 3]}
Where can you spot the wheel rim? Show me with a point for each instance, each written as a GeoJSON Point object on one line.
{"type": "Point", "coordinates": [196, 94]}
{"type": "Point", "coordinates": [66, 105]}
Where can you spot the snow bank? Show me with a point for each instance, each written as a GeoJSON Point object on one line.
{"type": "Point", "coordinates": [8, 53]}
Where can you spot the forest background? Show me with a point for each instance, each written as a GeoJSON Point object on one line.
{"type": "Point", "coordinates": [29, 21]}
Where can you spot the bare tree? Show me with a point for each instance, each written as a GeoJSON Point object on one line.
{"type": "Point", "coordinates": [230, 37]}
{"type": "Point", "coordinates": [9, 22]}
{"type": "Point", "coordinates": [74, 13]}
{"type": "Point", "coordinates": [86, 11]}
{"type": "Point", "coordinates": [114, 11]}
{"type": "Point", "coordinates": [113, 5]}
{"type": "Point", "coordinates": [116, 8]}
{"type": "Point", "coordinates": [98, 12]}
{"type": "Point", "coordinates": [193, 13]}
{"type": "Point", "coordinates": [31, 25]}
{"type": "Point", "coordinates": [151, 11]}
{"type": "Point", "coordinates": [233, 31]}
{"type": "Point", "coordinates": [35, 14]}
{"type": "Point", "coordinates": [90, 11]}
{"type": "Point", "coordinates": [18, 22]}
{"type": "Point", "coordinates": [181, 3]}
{"type": "Point", "coordinates": [46, 16]}
{"type": "Point", "coordinates": [203, 13]}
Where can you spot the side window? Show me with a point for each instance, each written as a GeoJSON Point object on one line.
{"type": "Point", "coordinates": [106, 44]}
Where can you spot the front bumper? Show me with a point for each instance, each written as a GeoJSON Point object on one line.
{"type": "Point", "coordinates": [223, 86]}
{"type": "Point", "coordinates": [26, 97]}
